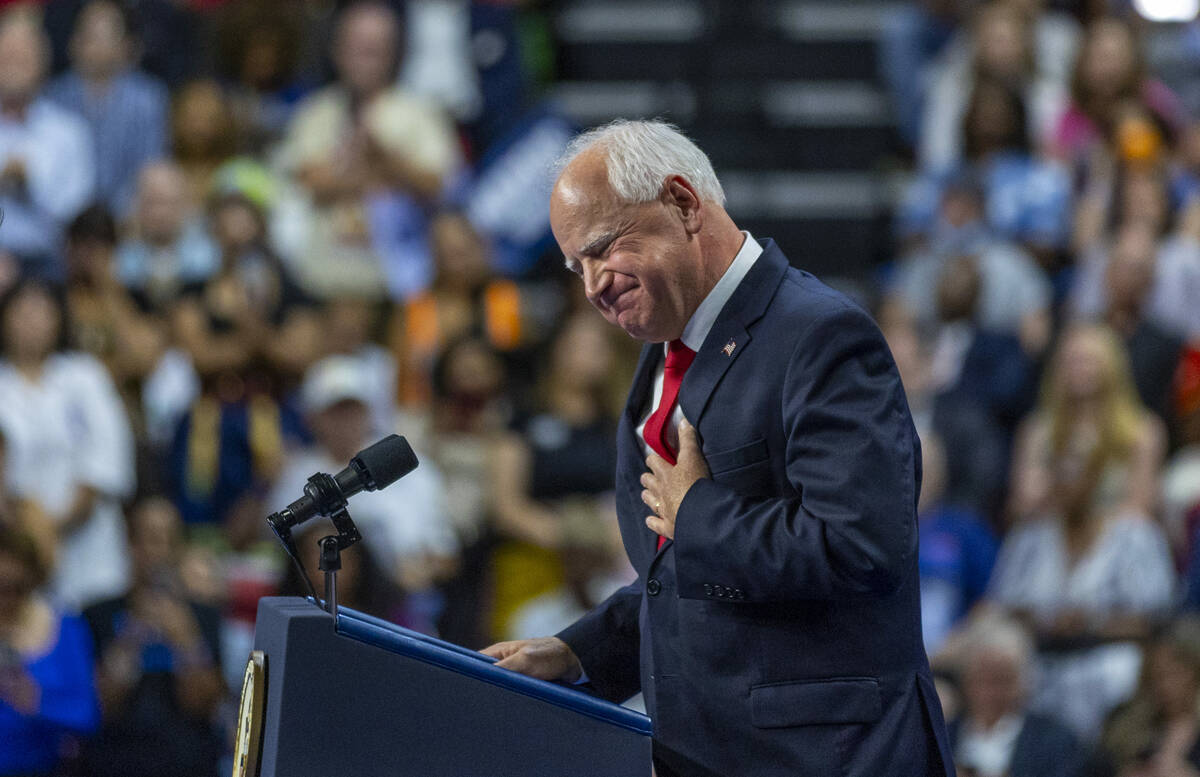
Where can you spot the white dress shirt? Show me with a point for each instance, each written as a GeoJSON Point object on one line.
{"type": "Point", "coordinates": [696, 331]}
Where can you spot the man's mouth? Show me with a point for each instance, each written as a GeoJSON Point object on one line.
{"type": "Point", "coordinates": [611, 297]}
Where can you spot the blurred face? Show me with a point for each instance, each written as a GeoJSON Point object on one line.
{"type": "Point", "coordinates": [459, 251]}
{"type": "Point", "coordinates": [162, 203]}
{"type": "Point", "coordinates": [1083, 365]}
{"type": "Point", "coordinates": [1001, 38]}
{"type": "Point", "coordinates": [32, 325]}
{"type": "Point", "coordinates": [641, 268]}
{"type": "Point", "coordinates": [1144, 200]}
{"type": "Point", "coordinates": [156, 539]}
{"type": "Point", "coordinates": [22, 61]}
{"type": "Point", "coordinates": [342, 428]}
{"type": "Point", "coordinates": [474, 373]}
{"type": "Point", "coordinates": [236, 226]}
{"type": "Point", "coordinates": [992, 685]}
{"type": "Point", "coordinates": [201, 117]}
{"type": "Point", "coordinates": [347, 325]}
{"type": "Point", "coordinates": [99, 46]}
{"type": "Point", "coordinates": [365, 49]}
{"type": "Point", "coordinates": [1173, 682]}
{"type": "Point", "coordinates": [992, 122]}
{"type": "Point", "coordinates": [583, 354]}
{"type": "Point", "coordinates": [1108, 58]}
{"type": "Point", "coordinates": [1130, 270]}
{"type": "Point", "coordinates": [89, 260]}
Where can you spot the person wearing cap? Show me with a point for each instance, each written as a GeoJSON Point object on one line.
{"type": "Point", "coordinates": [405, 526]}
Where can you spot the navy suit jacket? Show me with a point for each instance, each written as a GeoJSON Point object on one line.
{"type": "Point", "coordinates": [779, 633]}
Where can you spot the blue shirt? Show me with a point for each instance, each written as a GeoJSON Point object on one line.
{"type": "Point", "coordinates": [128, 127]}
{"type": "Point", "coordinates": [956, 553]}
{"type": "Point", "coordinates": [1027, 200]}
{"type": "Point", "coordinates": [30, 745]}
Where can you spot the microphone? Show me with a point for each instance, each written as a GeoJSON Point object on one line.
{"type": "Point", "coordinates": [371, 469]}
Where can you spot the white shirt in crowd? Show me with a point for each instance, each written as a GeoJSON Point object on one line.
{"type": "Point", "coordinates": [66, 430]}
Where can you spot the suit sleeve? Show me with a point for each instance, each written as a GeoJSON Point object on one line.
{"type": "Point", "coordinates": [607, 642]}
{"type": "Point", "coordinates": [853, 459]}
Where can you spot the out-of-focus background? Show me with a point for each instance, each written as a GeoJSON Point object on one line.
{"type": "Point", "coordinates": [243, 239]}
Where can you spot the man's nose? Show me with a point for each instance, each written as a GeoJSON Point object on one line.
{"type": "Point", "coordinates": [595, 279]}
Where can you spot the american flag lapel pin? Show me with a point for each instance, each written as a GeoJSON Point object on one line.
{"type": "Point", "coordinates": [729, 346]}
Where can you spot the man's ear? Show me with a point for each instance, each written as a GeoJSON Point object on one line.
{"type": "Point", "coordinates": [679, 195]}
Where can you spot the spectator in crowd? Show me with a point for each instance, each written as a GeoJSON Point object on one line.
{"type": "Point", "coordinates": [465, 299]}
{"type": "Point", "coordinates": [1174, 254]}
{"type": "Point", "coordinates": [70, 449]}
{"type": "Point", "coordinates": [1152, 349]}
{"type": "Point", "coordinates": [169, 248]}
{"type": "Point", "coordinates": [1110, 73]}
{"type": "Point", "coordinates": [350, 327]}
{"type": "Point", "coordinates": [956, 552]}
{"type": "Point", "coordinates": [1155, 733]}
{"type": "Point", "coordinates": [203, 136]}
{"type": "Point", "coordinates": [258, 52]}
{"type": "Point", "coordinates": [1026, 199]}
{"type": "Point", "coordinates": [1012, 43]}
{"type": "Point", "coordinates": [105, 319]}
{"type": "Point", "coordinates": [1086, 565]}
{"type": "Point", "coordinates": [126, 110]}
{"type": "Point", "coordinates": [1014, 295]}
{"type": "Point", "coordinates": [368, 157]}
{"type": "Point", "coordinates": [47, 691]}
{"type": "Point", "coordinates": [974, 448]}
{"type": "Point", "coordinates": [997, 734]}
{"type": "Point", "coordinates": [47, 168]}
{"type": "Point", "coordinates": [552, 477]}
{"type": "Point", "coordinates": [249, 316]}
{"type": "Point", "coordinates": [470, 412]}
{"type": "Point", "coordinates": [404, 526]}
{"type": "Point", "coordinates": [157, 662]}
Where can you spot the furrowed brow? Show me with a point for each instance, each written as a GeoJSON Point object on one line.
{"type": "Point", "coordinates": [597, 244]}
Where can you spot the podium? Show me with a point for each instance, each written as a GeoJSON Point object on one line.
{"type": "Point", "coordinates": [356, 695]}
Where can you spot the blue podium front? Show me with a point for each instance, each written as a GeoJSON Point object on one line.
{"type": "Point", "coordinates": [361, 696]}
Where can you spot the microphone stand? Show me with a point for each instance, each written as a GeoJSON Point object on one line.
{"type": "Point", "coordinates": [330, 502]}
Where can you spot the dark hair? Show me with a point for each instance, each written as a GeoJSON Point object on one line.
{"type": "Point", "coordinates": [1017, 138]}
{"type": "Point", "coordinates": [128, 20]}
{"type": "Point", "coordinates": [94, 223]}
{"type": "Point", "coordinates": [1080, 94]}
{"type": "Point", "coordinates": [58, 299]}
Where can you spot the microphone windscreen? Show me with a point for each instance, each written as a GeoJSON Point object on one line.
{"type": "Point", "coordinates": [386, 461]}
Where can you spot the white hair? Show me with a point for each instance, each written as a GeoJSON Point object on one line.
{"type": "Point", "coordinates": [999, 634]}
{"type": "Point", "coordinates": [641, 155]}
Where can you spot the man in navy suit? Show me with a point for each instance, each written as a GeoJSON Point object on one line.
{"type": "Point", "coordinates": [766, 488]}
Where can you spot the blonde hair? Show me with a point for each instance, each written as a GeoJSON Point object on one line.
{"type": "Point", "coordinates": [1122, 411]}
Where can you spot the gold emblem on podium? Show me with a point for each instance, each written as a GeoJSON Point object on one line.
{"type": "Point", "coordinates": [247, 747]}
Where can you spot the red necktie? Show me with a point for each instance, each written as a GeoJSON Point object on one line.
{"type": "Point", "coordinates": [679, 358]}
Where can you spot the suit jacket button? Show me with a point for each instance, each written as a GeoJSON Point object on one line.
{"type": "Point", "coordinates": [708, 589]}
{"type": "Point", "coordinates": [720, 591]}
{"type": "Point", "coordinates": [738, 594]}
{"type": "Point", "coordinates": [653, 586]}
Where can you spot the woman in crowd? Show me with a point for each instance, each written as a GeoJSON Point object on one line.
{"type": "Point", "coordinates": [1085, 564]}
{"type": "Point", "coordinates": [70, 450]}
{"type": "Point", "coordinates": [46, 686]}
{"type": "Point", "coordinates": [1110, 76]}
{"type": "Point", "coordinates": [552, 476]}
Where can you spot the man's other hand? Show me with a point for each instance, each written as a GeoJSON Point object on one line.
{"type": "Point", "coordinates": [546, 658]}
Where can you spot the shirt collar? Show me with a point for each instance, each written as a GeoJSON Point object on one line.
{"type": "Point", "coordinates": [706, 314]}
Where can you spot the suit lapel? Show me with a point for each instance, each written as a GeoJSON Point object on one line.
{"type": "Point", "coordinates": [730, 334]}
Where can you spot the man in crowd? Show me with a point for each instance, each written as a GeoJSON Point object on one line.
{"type": "Point", "coordinates": [767, 483]}
{"type": "Point", "coordinates": [47, 171]}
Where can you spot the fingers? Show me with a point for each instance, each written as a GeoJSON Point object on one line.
{"type": "Point", "coordinates": [687, 436]}
{"type": "Point", "coordinates": [657, 464]}
{"type": "Point", "coordinates": [501, 650]}
{"type": "Point", "coordinates": [657, 525]}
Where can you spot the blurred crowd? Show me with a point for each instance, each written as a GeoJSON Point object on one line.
{"type": "Point", "coordinates": [244, 239]}
{"type": "Point", "coordinates": [1043, 306]}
